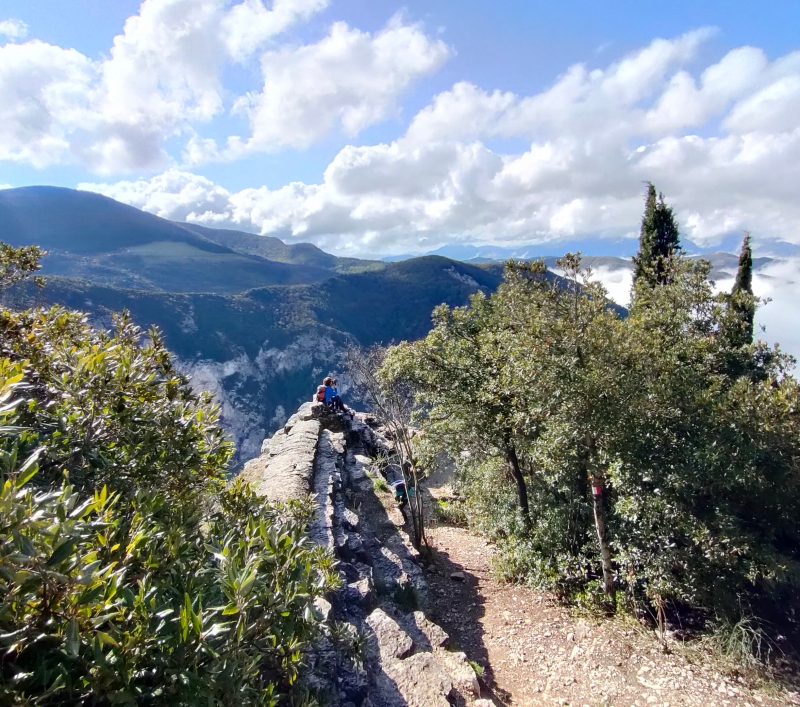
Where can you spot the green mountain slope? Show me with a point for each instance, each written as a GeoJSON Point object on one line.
{"type": "Point", "coordinates": [85, 223]}
{"type": "Point", "coordinates": [173, 266]}
{"type": "Point", "coordinates": [275, 249]}
{"type": "Point", "coordinates": [262, 352]}
{"type": "Point", "coordinates": [94, 237]}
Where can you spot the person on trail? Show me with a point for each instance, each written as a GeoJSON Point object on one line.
{"type": "Point", "coordinates": [332, 399]}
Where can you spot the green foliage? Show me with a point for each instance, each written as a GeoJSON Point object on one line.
{"type": "Point", "coordinates": [743, 304]}
{"type": "Point", "coordinates": [451, 510]}
{"type": "Point", "coordinates": [658, 241]}
{"type": "Point", "coordinates": [648, 460]}
{"type": "Point", "coordinates": [18, 264]}
{"type": "Point", "coordinates": [128, 572]}
{"type": "Point", "coordinates": [477, 668]}
{"type": "Point", "coordinates": [107, 409]}
{"type": "Point", "coordinates": [105, 600]}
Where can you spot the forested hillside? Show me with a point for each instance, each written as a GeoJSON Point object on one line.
{"type": "Point", "coordinates": [648, 462]}
{"type": "Point", "coordinates": [253, 320]}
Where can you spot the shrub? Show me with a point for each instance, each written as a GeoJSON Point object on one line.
{"type": "Point", "coordinates": [108, 600]}
{"type": "Point", "coordinates": [110, 408]}
{"type": "Point", "coordinates": [128, 573]}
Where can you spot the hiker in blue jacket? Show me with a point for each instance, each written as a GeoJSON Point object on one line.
{"type": "Point", "coordinates": [332, 398]}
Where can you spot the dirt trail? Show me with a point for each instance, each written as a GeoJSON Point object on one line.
{"type": "Point", "coordinates": [536, 652]}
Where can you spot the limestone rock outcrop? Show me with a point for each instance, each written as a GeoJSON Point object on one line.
{"type": "Point", "coordinates": [409, 660]}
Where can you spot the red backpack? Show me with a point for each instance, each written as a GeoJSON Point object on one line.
{"type": "Point", "coordinates": [321, 394]}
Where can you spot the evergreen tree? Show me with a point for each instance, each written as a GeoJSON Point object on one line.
{"type": "Point", "coordinates": [744, 276]}
{"type": "Point", "coordinates": [658, 240]}
{"type": "Point", "coordinates": [742, 300]}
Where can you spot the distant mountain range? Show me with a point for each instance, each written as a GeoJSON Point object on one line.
{"type": "Point", "coordinates": [256, 321]}
{"type": "Point", "coordinates": [93, 237]}
{"type": "Point", "coordinates": [600, 247]}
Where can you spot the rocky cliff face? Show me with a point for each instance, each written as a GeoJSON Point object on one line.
{"type": "Point", "coordinates": [383, 595]}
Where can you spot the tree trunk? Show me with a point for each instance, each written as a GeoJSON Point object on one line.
{"type": "Point", "coordinates": [522, 489]}
{"type": "Point", "coordinates": [598, 489]}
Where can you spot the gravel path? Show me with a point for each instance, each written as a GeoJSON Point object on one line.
{"type": "Point", "coordinates": [536, 652]}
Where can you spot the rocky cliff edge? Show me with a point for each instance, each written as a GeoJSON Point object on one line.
{"type": "Point", "coordinates": [410, 661]}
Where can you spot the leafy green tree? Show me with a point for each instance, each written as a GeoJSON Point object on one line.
{"type": "Point", "coordinates": [573, 353]}
{"type": "Point", "coordinates": [659, 241]}
{"type": "Point", "coordinates": [460, 371]}
{"type": "Point", "coordinates": [702, 490]}
{"type": "Point", "coordinates": [649, 468]}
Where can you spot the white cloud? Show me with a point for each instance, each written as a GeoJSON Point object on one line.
{"type": "Point", "coordinates": [779, 283]}
{"type": "Point", "coordinates": [348, 81]}
{"type": "Point", "coordinates": [163, 74]}
{"type": "Point", "coordinates": [722, 142]}
{"type": "Point", "coordinates": [43, 100]}
{"type": "Point", "coordinates": [617, 281]}
{"type": "Point", "coordinates": [13, 29]}
{"type": "Point", "coordinates": [581, 100]}
{"type": "Point", "coordinates": [247, 25]}
{"type": "Point", "coordinates": [175, 195]}
{"type": "Point", "coordinates": [464, 112]}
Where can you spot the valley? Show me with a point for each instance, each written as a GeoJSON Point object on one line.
{"type": "Point", "coordinates": [252, 320]}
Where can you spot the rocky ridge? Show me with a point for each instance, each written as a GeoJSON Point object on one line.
{"type": "Point", "coordinates": [409, 660]}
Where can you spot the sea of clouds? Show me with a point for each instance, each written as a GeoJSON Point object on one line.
{"type": "Point", "coordinates": [777, 283]}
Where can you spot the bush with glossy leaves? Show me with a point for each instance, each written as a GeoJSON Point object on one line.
{"type": "Point", "coordinates": [112, 600]}
{"type": "Point", "coordinates": [110, 407]}
{"type": "Point", "coordinates": [129, 574]}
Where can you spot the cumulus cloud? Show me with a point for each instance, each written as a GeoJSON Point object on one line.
{"type": "Point", "coordinates": [722, 142]}
{"type": "Point", "coordinates": [163, 76]}
{"type": "Point", "coordinates": [595, 136]}
{"type": "Point", "coordinates": [13, 29]}
{"type": "Point", "coordinates": [247, 25]}
{"type": "Point", "coordinates": [43, 98]}
{"type": "Point", "coordinates": [347, 81]}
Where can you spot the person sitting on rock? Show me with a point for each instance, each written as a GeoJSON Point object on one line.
{"type": "Point", "coordinates": [332, 399]}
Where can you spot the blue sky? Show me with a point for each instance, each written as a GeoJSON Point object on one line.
{"type": "Point", "coordinates": [372, 128]}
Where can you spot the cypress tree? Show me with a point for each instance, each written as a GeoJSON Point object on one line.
{"type": "Point", "coordinates": [658, 240]}
{"type": "Point", "coordinates": [744, 275]}
{"type": "Point", "coordinates": [742, 301]}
